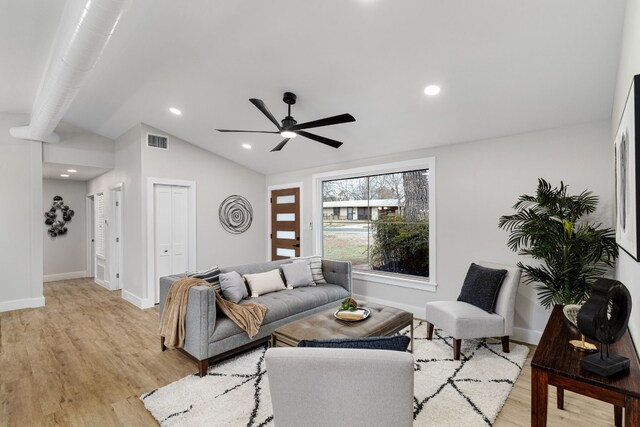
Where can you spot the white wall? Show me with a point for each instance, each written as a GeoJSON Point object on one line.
{"type": "Point", "coordinates": [78, 147]}
{"type": "Point", "coordinates": [477, 183]}
{"type": "Point", "coordinates": [628, 270]}
{"type": "Point", "coordinates": [21, 194]}
{"type": "Point", "coordinates": [65, 257]}
{"type": "Point", "coordinates": [127, 171]}
{"type": "Point", "coordinates": [215, 177]}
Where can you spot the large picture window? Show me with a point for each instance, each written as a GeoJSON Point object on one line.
{"type": "Point", "coordinates": [379, 221]}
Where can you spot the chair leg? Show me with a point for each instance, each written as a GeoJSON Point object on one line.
{"type": "Point", "coordinates": [505, 344]}
{"type": "Point", "coordinates": [429, 330]}
{"type": "Point", "coordinates": [456, 348]}
{"type": "Point", "coordinates": [202, 367]}
{"type": "Point", "coordinates": [162, 346]}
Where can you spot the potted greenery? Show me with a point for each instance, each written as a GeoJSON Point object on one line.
{"type": "Point", "coordinates": [573, 253]}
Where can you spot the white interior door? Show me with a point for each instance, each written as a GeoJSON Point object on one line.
{"type": "Point", "coordinates": [180, 229]}
{"type": "Point", "coordinates": [171, 206]}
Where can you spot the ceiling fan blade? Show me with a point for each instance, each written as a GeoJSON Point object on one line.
{"type": "Point", "coordinates": [262, 107]}
{"type": "Point", "coordinates": [330, 142]}
{"type": "Point", "coordinates": [335, 120]}
{"type": "Point", "coordinates": [279, 146]}
{"type": "Point", "coordinates": [250, 131]}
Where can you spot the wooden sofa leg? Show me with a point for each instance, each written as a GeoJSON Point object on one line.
{"type": "Point", "coordinates": [456, 348]}
{"type": "Point", "coordinates": [505, 344]}
{"type": "Point", "coordinates": [202, 367]}
{"type": "Point", "coordinates": [162, 346]}
{"type": "Point", "coordinates": [429, 331]}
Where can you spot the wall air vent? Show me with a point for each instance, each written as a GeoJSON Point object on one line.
{"type": "Point", "coordinates": [157, 141]}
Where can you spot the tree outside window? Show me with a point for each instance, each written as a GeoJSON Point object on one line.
{"type": "Point", "coordinates": [378, 222]}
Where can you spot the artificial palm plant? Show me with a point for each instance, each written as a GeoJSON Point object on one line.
{"type": "Point", "coordinates": [550, 227]}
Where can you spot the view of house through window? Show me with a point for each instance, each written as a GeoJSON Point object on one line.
{"type": "Point", "coordinates": [378, 222]}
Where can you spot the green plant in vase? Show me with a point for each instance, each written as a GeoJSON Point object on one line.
{"type": "Point", "coordinates": [551, 227]}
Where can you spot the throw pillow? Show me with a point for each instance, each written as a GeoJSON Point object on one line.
{"type": "Point", "coordinates": [263, 283]}
{"type": "Point", "coordinates": [211, 275]}
{"type": "Point", "coordinates": [315, 262]}
{"type": "Point", "coordinates": [481, 287]}
{"type": "Point", "coordinates": [233, 287]}
{"type": "Point", "coordinates": [298, 274]}
{"type": "Point", "coordinates": [397, 343]}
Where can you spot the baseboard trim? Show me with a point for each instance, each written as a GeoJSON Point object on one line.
{"type": "Point", "coordinates": [528, 336]}
{"type": "Point", "coordinates": [142, 303]}
{"type": "Point", "coordinates": [416, 310]}
{"type": "Point", "coordinates": [64, 276]}
{"type": "Point", "coordinates": [19, 304]}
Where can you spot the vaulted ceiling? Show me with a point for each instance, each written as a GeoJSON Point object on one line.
{"type": "Point", "coordinates": [504, 66]}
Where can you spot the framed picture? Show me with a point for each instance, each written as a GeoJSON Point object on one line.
{"type": "Point", "coordinates": [627, 176]}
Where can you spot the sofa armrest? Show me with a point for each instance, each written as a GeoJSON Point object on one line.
{"type": "Point", "coordinates": [200, 321]}
{"type": "Point", "coordinates": [337, 272]}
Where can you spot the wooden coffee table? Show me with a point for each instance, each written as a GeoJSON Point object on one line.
{"type": "Point", "coordinates": [383, 321]}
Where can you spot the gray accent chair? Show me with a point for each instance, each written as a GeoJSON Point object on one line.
{"type": "Point", "coordinates": [462, 320]}
{"type": "Point", "coordinates": [318, 387]}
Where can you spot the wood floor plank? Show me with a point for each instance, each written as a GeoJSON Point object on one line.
{"type": "Point", "coordinates": [86, 357]}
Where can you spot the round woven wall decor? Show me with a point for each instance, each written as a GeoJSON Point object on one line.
{"type": "Point", "coordinates": [235, 214]}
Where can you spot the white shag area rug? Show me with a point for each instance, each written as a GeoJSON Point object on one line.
{"type": "Point", "coordinates": [469, 392]}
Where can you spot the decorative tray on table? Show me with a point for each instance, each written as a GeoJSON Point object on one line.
{"type": "Point", "coordinates": [360, 313]}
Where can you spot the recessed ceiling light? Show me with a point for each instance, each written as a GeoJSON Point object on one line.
{"type": "Point", "coordinates": [64, 175]}
{"type": "Point", "coordinates": [288, 134]}
{"type": "Point", "coordinates": [72, 170]}
{"type": "Point", "coordinates": [432, 90]}
{"type": "Point", "coordinates": [175, 111]}
{"type": "Point", "coordinates": [246, 146]}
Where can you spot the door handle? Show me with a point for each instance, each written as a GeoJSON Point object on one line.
{"type": "Point", "coordinates": [166, 250]}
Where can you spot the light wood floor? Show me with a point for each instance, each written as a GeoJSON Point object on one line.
{"type": "Point", "coordinates": [86, 357]}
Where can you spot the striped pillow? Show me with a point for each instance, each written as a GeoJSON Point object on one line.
{"type": "Point", "coordinates": [315, 262]}
{"type": "Point", "coordinates": [211, 275]}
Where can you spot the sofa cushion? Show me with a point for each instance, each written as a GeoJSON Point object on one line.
{"type": "Point", "coordinates": [211, 275]}
{"type": "Point", "coordinates": [396, 343]}
{"type": "Point", "coordinates": [283, 304]}
{"type": "Point", "coordinates": [233, 287]}
{"type": "Point", "coordinates": [263, 283]}
{"type": "Point", "coordinates": [298, 274]}
{"type": "Point", "coordinates": [481, 287]}
{"type": "Point", "coordinates": [315, 262]}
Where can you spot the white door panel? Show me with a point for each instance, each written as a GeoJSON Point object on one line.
{"type": "Point", "coordinates": [180, 229]}
{"type": "Point", "coordinates": [171, 231]}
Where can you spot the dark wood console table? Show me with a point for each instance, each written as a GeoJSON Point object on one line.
{"type": "Point", "coordinates": [556, 363]}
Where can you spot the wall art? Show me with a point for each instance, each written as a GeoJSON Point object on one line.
{"type": "Point", "coordinates": [58, 227]}
{"type": "Point", "coordinates": [627, 177]}
{"type": "Point", "coordinates": [235, 214]}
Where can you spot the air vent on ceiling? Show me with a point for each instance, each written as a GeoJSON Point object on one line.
{"type": "Point", "coordinates": [157, 141]}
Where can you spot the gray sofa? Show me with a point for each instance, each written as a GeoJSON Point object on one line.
{"type": "Point", "coordinates": [211, 336]}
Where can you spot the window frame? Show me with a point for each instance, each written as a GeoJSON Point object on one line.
{"type": "Point", "coordinates": [426, 284]}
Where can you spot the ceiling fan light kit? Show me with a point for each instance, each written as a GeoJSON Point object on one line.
{"type": "Point", "coordinates": [289, 128]}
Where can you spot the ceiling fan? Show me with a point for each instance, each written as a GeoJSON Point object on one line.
{"type": "Point", "coordinates": [290, 128]}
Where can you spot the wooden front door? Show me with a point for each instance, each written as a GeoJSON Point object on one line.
{"type": "Point", "coordinates": [285, 223]}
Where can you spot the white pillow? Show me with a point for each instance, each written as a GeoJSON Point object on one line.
{"type": "Point", "coordinates": [263, 283]}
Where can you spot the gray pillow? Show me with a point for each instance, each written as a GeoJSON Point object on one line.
{"type": "Point", "coordinates": [297, 274]}
{"type": "Point", "coordinates": [233, 287]}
